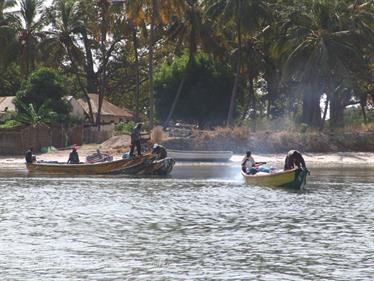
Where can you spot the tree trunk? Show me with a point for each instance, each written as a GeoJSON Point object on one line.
{"type": "Point", "coordinates": [311, 107]}
{"type": "Point", "coordinates": [92, 83]}
{"type": "Point", "coordinates": [364, 113]}
{"type": "Point", "coordinates": [137, 87]}
{"type": "Point", "coordinates": [325, 110]}
{"type": "Point", "coordinates": [179, 91]}
{"type": "Point", "coordinates": [84, 90]}
{"type": "Point", "coordinates": [250, 101]}
{"type": "Point", "coordinates": [336, 111]}
{"type": "Point", "coordinates": [254, 106]}
{"type": "Point", "coordinates": [192, 51]}
{"type": "Point", "coordinates": [150, 62]}
{"type": "Point", "coordinates": [27, 72]}
{"type": "Point", "coordinates": [103, 30]}
{"type": "Point", "coordinates": [230, 117]}
{"type": "Point", "coordinates": [268, 108]}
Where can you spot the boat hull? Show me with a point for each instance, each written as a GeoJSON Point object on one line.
{"type": "Point", "coordinates": [161, 167]}
{"type": "Point", "coordinates": [124, 166]}
{"type": "Point", "coordinates": [184, 155]}
{"type": "Point", "coordinates": [295, 179]}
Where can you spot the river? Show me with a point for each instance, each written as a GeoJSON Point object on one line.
{"type": "Point", "coordinates": [201, 223]}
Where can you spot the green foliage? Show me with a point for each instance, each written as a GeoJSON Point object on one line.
{"type": "Point", "coordinates": [206, 94]}
{"type": "Point", "coordinates": [303, 128]}
{"type": "Point", "coordinates": [29, 116]}
{"type": "Point", "coordinates": [10, 80]}
{"type": "Point", "coordinates": [292, 52]}
{"type": "Point", "coordinates": [45, 90]}
{"type": "Point", "coordinates": [353, 116]}
{"type": "Point", "coordinates": [10, 124]}
{"type": "Point", "coordinates": [124, 127]}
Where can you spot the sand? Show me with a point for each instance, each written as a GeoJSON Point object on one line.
{"type": "Point", "coordinates": [364, 159]}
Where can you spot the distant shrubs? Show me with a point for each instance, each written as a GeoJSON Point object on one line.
{"type": "Point", "coordinates": [303, 128]}
{"type": "Point", "coordinates": [286, 123]}
{"type": "Point", "coordinates": [206, 93]}
{"type": "Point", "coordinates": [10, 124]}
{"type": "Point", "coordinates": [124, 128]}
{"type": "Point", "coordinates": [157, 134]}
{"type": "Point", "coordinates": [239, 133]}
{"type": "Point", "coordinates": [44, 89]}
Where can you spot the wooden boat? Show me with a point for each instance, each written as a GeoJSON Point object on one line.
{"type": "Point", "coordinates": [295, 178]}
{"type": "Point", "coordinates": [161, 167]}
{"type": "Point", "coordinates": [137, 165]}
{"type": "Point", "coordinates": [195, 155]}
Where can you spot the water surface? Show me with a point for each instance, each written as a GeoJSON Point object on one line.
{"type": "Point", "coordinates": [202, 223]}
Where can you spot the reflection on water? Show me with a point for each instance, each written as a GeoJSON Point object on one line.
{"type": "Point", "coordinates": [203, 222]}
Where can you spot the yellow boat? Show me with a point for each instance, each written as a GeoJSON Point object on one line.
{"type": "Point", "coordinates": [123, 166]}
{"type": "Point", "coordinates": [295, 178]}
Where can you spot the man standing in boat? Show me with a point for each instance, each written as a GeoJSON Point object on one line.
{"type": "Point", "coordinates": [160, 151]}
{"type": "Point", "coordinates": [294, 158]}
{"type": "Point", "coordinates": [135, 140]}
{"type": "Point", "coordinates": [29, 157]}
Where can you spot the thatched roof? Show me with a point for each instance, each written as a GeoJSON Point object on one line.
{"type": "Point", "coordinates": [108, 109]}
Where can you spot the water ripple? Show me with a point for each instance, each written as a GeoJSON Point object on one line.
{"type": "Point", "coordinates": [185, 228]}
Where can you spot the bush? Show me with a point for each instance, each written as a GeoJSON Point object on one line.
{"type": "Point", "coordinates": [10, 124]}
{"type": "Point", "coordinates": [157, 134]}
{"type": "Point", "coordinates": [303, 128]}
{"type": "Point", "coordinates": [206, 93]}
{"type": "Point", "coordinates": [124, 128]}
{"type": "Point", "coordinates": [45, 87]}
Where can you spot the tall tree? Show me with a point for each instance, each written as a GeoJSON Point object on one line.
{"type": "Point", "coordinates": [29, 26]}
{"type": "Point", "coordinates": [155, 13]}
{"type": "Point", "coordinates": [62, 40]}
{"type": "Point", "coordinates": [6, 29]}
{"type": "Point", "coordinates": [250, 15]}
{"type": "Point", "coordinates": [319, 59]}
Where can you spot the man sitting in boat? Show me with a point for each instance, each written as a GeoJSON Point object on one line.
{"type": "Point", "coordinates": [98, 157]}
{"type": "Point", "coordinates": [135, 140]}
{"type": "Point", "coordinates": [73, 157]}
{"type": "Point", "coordinates": [248, 163]}
{"type": "Point", "coordinates": [160, 151]}
{"type": "Point", "coordinates": [29, 157]}
{"type": "Point", "coordinates": [294, 158]}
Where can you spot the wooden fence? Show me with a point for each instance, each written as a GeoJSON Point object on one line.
{"type": "Point", "coordinates": [16, 140]}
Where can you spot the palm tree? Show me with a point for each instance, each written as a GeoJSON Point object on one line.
{"type": "Point", "coordinates": [322, 58]}
{"type": "Point", "coordinates": [137, 67]}
{"type": "Point", "coordinates": [254, 63]}
{"type": "Point", "coordinates": [29, 25]}
{"type": "Point", "coordinates": [248, 14]}
{"type": "Point", "coordinates": [62, 40]}
{"type": "Point", "coordinates": [154, 13]}
{"type": "Point", "coordinates": [191, 29]}
{"type": "Point", "coordinates": [6, 30]}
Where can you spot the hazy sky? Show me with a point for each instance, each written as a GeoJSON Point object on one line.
{"type": "Point", "coordinates": [47, 2]}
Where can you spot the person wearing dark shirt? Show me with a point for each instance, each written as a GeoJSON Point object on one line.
{"type": "Point", "coordinates": [73, 157]}
{"type": "Point", "coordinates": [28, 156]}
{"type": "Point", "coordinates": [135, 140]}
{"type": "Point", "coordinates": [294, 158]}
{"type": "Point", "coordinates": [160, 151]}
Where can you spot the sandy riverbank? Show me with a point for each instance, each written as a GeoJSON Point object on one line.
{"type": "Point", "coordinates": [335, 159]}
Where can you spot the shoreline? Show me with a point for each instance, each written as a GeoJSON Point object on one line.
{"type": "Point", "coordinates": [313, 160]}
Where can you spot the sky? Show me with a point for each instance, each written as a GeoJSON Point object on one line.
{"type": "Point", "coordinates": [46, 3]}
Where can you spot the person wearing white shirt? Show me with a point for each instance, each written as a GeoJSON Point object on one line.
{"type": "Point", "coordinates": [247, 162]}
